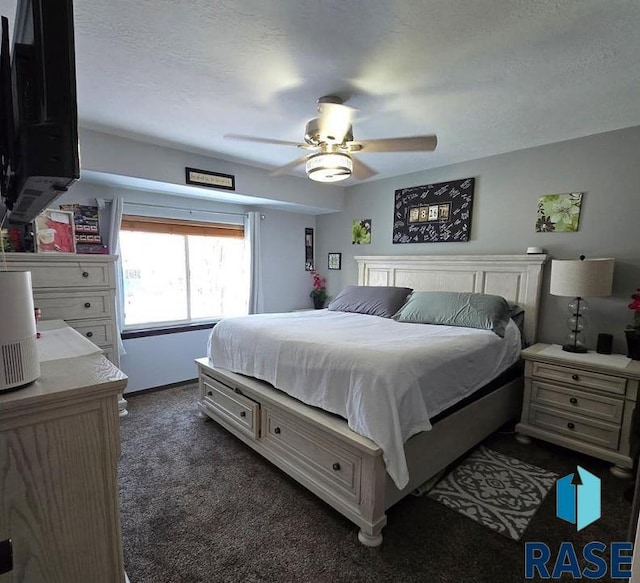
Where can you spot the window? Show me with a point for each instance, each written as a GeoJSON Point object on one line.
{"type": "Point", "coordinates": [178, 272]}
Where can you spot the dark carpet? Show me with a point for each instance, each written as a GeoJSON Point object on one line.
{"type": "Point", "coordinates": [199, 506]}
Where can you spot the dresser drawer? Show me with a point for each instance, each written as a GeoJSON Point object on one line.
{"type": "Point", "coordinates": [99, 332]}
{"type": "Point", "coordinates": [110, 354]}
{"type": "Point", "coordinates": [321, 457]}
{"type": "Point", "coordinates": [603, 434]}
{"type": "Point", "coordinates": [231, 406]}
{"type": "Point", "coordinates": [580, 402]}
{"type": "Point", "coordinates": [74, 305]}
{"type": "Point", "coordinates": [579, 378]}
{"type": "Point", "coordinates": [75, 274]}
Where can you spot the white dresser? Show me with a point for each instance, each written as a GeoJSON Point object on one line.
{"type": "Point", "coordinates": [79, 289]}
{"type": "Point", "coordinates": [59, 449]}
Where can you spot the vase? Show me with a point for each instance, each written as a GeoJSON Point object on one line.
{"type": "Point", "coordinates": [318, 303]}
{"type": "Point", "coordinates": [633, 344]}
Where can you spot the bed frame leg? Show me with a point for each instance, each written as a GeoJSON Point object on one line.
{"type": "Point", "coordinates": [370, 540]}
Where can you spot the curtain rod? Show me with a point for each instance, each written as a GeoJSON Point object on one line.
{"type": "Point", "coordinates": [175, 208]}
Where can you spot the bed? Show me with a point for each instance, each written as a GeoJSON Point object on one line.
{"type": "Point", "coordinates": [362, 473]}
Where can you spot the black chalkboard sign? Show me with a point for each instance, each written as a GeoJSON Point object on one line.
{"type": "Point", "coordinates": [434, 213]}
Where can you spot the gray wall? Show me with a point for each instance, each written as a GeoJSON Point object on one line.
{"type": "Point", "coordinates": [159, 360]}
{"type": "Point", "coordinates": [122, 160]}
{"type": "Point", "coordinates": [605, 167]}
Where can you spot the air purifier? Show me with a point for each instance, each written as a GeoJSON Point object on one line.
{"type": "Point", "coordinates": [19, 363]}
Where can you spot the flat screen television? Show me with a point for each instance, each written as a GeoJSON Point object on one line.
{"type": "Point", "coordinates": [39, 154]}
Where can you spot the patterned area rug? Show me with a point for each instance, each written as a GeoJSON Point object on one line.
{"type": "Point", "coordinates": [495, 490]}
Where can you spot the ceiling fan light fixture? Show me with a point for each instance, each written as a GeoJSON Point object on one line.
{"type": "Point", "coordinates": [329, 167]}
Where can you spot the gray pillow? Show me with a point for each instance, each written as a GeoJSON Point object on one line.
{"type": "Point", "coordinates": [470, 310]}
{"type": "Point", "coordinates": [373, 300]}
{"type": "Point", "coordinates": [516, 313]}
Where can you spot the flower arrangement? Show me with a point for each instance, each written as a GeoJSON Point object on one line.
{"type": "Point", "coordinates": [635, 306]}
{"type": "Point", "coordinates": [319, 292]}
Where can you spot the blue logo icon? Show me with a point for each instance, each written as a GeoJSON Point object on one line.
{"type": "Point", "coordinates": [578, 498]}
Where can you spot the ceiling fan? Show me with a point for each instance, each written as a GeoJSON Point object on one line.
{"type": "Point", "coordinates": [329, 137]}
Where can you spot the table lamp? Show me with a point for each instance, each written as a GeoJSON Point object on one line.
{"type": "Point", "coordinates": [580, 278]}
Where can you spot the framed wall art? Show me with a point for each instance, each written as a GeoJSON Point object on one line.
{"type": "Point", "coordinates": [361, 232]}
{"type": "Point", "coordinates": [54, 232]}
{"type": "Point", "coordinates": [210, 179]}
{"type": "Point", "coordinates": [309, 264]}
{"type": "Point", "coordinates": [335, 261]}
{"type": "Point", "coordinates": [434, 213]}
{"type": "Point", "coordinates": [559, 213]}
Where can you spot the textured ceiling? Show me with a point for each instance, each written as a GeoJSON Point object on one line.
{"type": "Point", "coordinates": [487, 76]}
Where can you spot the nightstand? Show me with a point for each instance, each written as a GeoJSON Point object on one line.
{"type": "Point", "coordinates": [584, 402]}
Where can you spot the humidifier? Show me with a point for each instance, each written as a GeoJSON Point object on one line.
{"type": "Point", "coordinates": [19, 364]}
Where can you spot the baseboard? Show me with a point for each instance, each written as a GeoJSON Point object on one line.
{"type": "Point", "coordinates": [160, 388]}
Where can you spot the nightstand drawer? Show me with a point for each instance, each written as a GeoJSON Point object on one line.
{"type": "Point", "coordinates": [575, 401]}
{"type": "Point", "coordinates": [579, 378]}
{"type": "Point", "coordinates": [232, 407]}
{"type": "Point", "coordinates": [599, 433]}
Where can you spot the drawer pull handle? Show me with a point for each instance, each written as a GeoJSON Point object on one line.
{"type": "Point", "coordinates": [277, 431]}
{"type": "Point", "coordinates": [89, 334]}
{"type": "Point", "coordinates": [87, 304]}
{"type": "Point", "coordinates": [336, 466]}
{"type": "Point", "coordinates": [571, 425]}
{"type": "Point", "coordinates": [575, 377]}
{"type": "Point", "coordinates": [85, 274]}
{"type": "Point", "coordinates": [243, 413]}
{"type": "Point", "coordinates": [573, 401]}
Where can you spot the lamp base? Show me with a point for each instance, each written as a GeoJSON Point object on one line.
{"type": "Point", "coordinates": [573, 348]}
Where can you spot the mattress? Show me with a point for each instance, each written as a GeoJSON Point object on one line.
{"type": "Point", "coordinates": [388, 379]}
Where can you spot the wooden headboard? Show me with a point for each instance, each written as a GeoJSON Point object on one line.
{"type": "Point", "coordinates": [517, 278]}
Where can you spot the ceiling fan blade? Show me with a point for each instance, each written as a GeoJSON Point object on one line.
{"type": "Point", "coordinates": [284, 169]}
{"type": "Point", "coordinates": [334, 121]}
{"type": "Point", "coordinates": [411, 144]}
{"type": "Point", "coordinates": [260, 140]}
{"type": "Point", "coordinates": [361, 171]}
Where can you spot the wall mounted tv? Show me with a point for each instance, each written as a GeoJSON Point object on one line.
{"type": "Point", "coordinates": [39, 157]}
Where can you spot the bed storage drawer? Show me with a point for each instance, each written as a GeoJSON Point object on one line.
{"type": "Point", "coordinates": [323, 458]}
{"type": "Point", "coordinates": [231, 406]}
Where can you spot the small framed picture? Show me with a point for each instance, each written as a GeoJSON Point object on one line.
{"type": "Point", "coordinates": [309, 263]}
{"type": "Point", "coordinates": [335, 260]}
{"type": "Point", "coordinates": [54, 232]}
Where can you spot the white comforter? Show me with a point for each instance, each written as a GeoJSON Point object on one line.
{"type": "Point", "coordinates": [386, 378]}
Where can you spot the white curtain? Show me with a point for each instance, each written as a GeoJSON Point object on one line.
{"type": "Point", "coordinates": [253, 230]}
{"type": "Point", "coordinates": [113, 244]}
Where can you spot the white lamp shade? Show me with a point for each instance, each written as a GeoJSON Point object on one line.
{"type": "Point", "coordinates": [588, 278]}
{"type": "Point", "coordinates": [19, 363]}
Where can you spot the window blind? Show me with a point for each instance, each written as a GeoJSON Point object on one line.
{"type": "Point", "coordinates": [181, 227]}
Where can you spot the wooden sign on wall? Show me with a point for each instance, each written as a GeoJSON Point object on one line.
{"type": "Point", "coordinates": [434, 213]}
